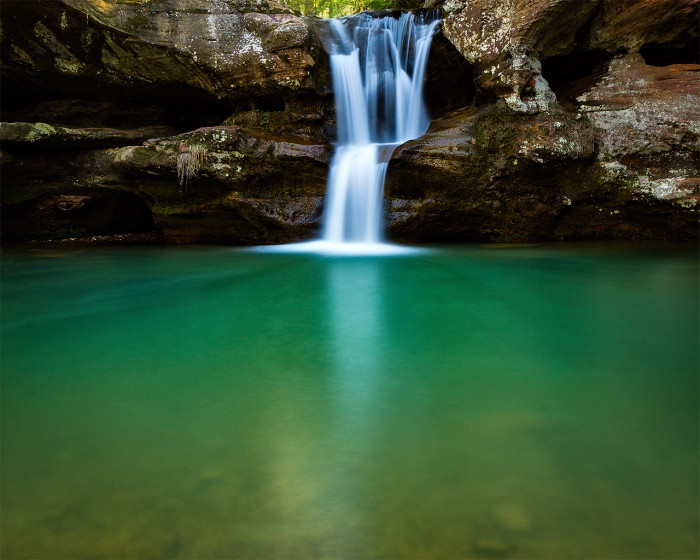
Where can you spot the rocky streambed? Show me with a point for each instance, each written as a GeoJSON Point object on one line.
{"type": "Point", "coordinates": [212, 121]}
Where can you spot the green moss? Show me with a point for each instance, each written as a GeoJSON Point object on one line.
{"type": "Point", "coordinates": [480, 136]}
{"type": "Point", "coordinates": [264, 119]}
{"type": "Point", "coordinates": [141, 155]}
{"type": "Point", "coordinates": [43, 128]}
{"type": "Point", "coordinates": [138, 21]}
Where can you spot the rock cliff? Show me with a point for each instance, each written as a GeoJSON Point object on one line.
{"type": "Point", "coordinates": [213, 121]}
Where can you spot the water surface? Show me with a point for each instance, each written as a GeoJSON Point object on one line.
{"type": "Point", "coordinates": [468, 402]}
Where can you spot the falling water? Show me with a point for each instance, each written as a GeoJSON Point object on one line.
{"type": "Point", "coordinates": [378, 66]}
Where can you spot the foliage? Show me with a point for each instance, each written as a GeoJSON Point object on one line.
{"type": "Point", "coordinates": [264, 118]}
{"type": "Point", "coordinates": [339, 8]}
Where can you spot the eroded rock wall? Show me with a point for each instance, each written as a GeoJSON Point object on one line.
{"type": "Point", "coordinates": [212, 121]}
{"type": "Point", "coordinates": [613, 153]}
{"type": "Point", "coordinates": [84, 78]}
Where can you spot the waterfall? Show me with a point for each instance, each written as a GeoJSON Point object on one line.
{"type": "Point", "coordinates": [378, 67]}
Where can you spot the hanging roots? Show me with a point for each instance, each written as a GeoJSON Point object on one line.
{"type": "Point", "coordinates": [189, 163]}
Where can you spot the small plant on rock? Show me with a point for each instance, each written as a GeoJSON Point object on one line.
{"type": "Point", "coordinates": [189, 162]}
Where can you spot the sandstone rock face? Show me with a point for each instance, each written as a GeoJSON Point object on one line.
{"type": "Point", "coordinates": [212, 121]}
{"type": "Point", "coordinates": [648, 134]}
{"type": "Point", "coordinates": [619, 156]}
{"type": "Point", "coordinates": [496, 175]}
{"type": "Point", "coordinates": [506, 41]}
{"type": "Point", "coordinates": [631, 24]}
{"type": "Point", "coordinates": [622, 163]}
{"type": "Point", "coordinates": [487, 174]}
{"type": "Point", "coordinates": [245, 188]}
{"type": "Point", "coordinates": [641, 109]}
{"type": "Point", "coordinates": [82, 78]}
{"type": "Point", "coordinates": [216, 47]}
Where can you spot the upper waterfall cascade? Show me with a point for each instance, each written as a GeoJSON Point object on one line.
{"type": "Point", "coordinates": [378, 68]}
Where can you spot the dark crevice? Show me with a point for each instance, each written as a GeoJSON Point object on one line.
{"type": "Point", "coordinates": [449, 79]}
{"type": "Point", "coordinates": [115, 107]}
{"type": "Point", "coordinates": [75, 213]}
{"type": "Point", "coordinates": [665, 55]}
{"type": "Point", "coordinates": [566, 73]}
{"type": "Point", "coordinates": [269, 103]}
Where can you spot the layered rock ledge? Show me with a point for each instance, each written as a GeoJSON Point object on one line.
{"type": "Point", "coordinates": [212, 121]}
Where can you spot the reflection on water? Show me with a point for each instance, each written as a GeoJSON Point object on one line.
{"type": "Point", "coordinates": [538, 402]}
{"type": "Point", "coordinates": [356, 327]}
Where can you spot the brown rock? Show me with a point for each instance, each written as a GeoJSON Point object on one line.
{"type": "Point", "coordinates": [506, 40]}
{"type": "Point", "coordinates": [641, 109]}
{"type": "Point", "coordinates": [628, 25]}
{"type": "Point", "coordinates": [75, 213]}
{"type": "Point", "coordinates": [251, 188]}
{"type": "Point", "coordinates": [193, 50]}
{"type": "Point", "coordinates": [486, 174]}
{"type": "Point", "coordinates": [23, 135]}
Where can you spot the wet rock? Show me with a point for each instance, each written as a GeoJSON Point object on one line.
{"type": "Point", "coordinates": [487, 174]}
{"type": "Point", "coordinates": [250, 188]}
{"type": "Point", "coordinates": [491, 174]}
{"type": "Point", "coordinates": [242, 221]}
{"type": "Point", "coordinates": [235, 158]}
